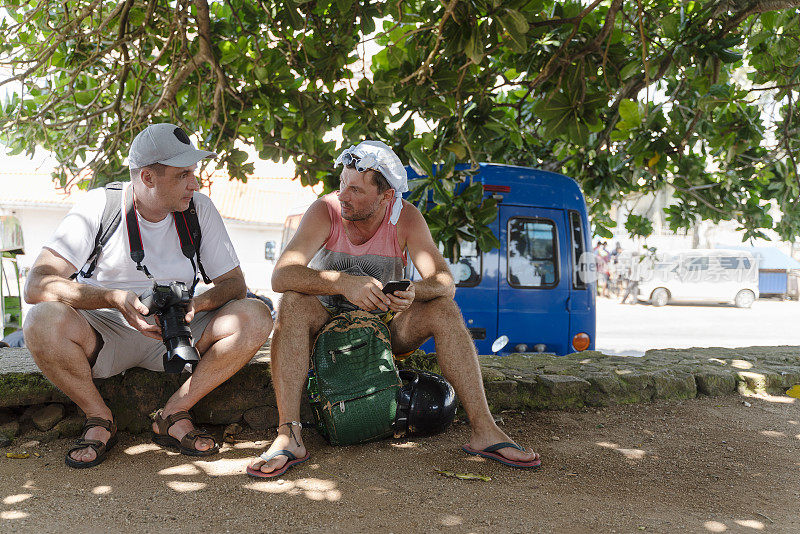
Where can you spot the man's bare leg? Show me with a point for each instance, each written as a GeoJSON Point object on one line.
{"type": "Point", "coordinates": [64, 346]}
{"type": "Point", "coordinates": [441, 319]}
{"type": "Point", "coordinates": [300, 317]}
{"type": "Point", "coordinates": [230, 340]}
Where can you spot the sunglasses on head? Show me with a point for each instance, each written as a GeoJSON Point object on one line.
{"type": "Point", "coordinates": [360, 164]}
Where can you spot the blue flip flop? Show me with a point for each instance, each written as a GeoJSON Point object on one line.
{"type": "Point", "coordinates": [291, 462]}
{"type": "Point", "coordinates": [489, 452]}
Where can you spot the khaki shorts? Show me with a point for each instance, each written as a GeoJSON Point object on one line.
{"type": "Point", "coordinates": [124, 347]}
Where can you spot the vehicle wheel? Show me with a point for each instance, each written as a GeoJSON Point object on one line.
{"type": "Point", "coordinates": [744, 298]}
{"type": "Point", "coordinates": [660, 297]}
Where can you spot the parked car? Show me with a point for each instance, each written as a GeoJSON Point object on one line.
{"type": "Point", "coordinates": [700, 275]}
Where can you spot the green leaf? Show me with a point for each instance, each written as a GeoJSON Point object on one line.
{"type": "Point", "coordinates": [629, 111]}
{"type": "Point", "coordinates": [638, 226]}
{"type": "Point", "coordinates": [293, 17]}
{"type": "Point", "coordinates": [420, 161]}
{"type": "Point", "coordinates": [630, 68]}
{"type": "Point", "coordinates": [516, 27]}
{"type": "Point", "coordinates": [344, 5]}
{"type": "Point", "coordinates": [670, 26]}
{"type": "Point", "coordinates": [517, 39]}
{"type": "Point", "coordinates": [603, 232]}
{"type": "Point", "coordinates": [458, 149]}
{"type": "Point", "coordinates": [474, 48]}
{"type": "Point", "coordinates": [83, 98]}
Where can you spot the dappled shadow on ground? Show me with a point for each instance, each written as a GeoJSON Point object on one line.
{"type": "Point", "coordinates": [705, 465]}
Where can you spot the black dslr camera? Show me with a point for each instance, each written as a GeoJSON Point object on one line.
{"type": "Point", "coordinates": [169, 304]}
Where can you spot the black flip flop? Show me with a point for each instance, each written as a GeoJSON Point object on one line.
{"type": "Point", "coordinates": [490, 453]}
{"type": "Point", "coordinates": [291, 461]}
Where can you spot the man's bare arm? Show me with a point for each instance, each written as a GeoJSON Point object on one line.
{"type": "Point", "coordinates": [227, 287]}
{"type": "Point", "coordinates": [48, 281]}
{"type": "Point", "coordinates": [437, 281]}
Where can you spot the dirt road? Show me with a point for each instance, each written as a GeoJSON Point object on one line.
{"type": "Point", "coordinates": [705, 465]}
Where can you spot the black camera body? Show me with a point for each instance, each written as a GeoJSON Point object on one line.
{"type": "Point", "coordinates": [169, 304]}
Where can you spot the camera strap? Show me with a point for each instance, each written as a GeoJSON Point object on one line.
{"type": "Point", "coordinates": [135, 237]}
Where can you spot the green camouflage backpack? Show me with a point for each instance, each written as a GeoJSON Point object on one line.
{"type": "Point", "coordinates": [353, 381]}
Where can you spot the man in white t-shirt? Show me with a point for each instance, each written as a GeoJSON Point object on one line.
{"type": "Point", "coordinates": [95, 326]}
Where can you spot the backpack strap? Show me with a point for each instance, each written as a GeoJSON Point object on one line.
{"type": "Point", "coordinates": [134, 235]}
{"type": "Point", "coordinates": [112, 216]}
{"type": "Point", "coordinates": [188, 227]}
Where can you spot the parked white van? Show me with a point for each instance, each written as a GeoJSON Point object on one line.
{"type": "Point", "coordinates": [700, 275]}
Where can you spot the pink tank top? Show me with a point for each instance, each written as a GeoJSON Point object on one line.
{"type": "Point", "coordinates": [379, 257]}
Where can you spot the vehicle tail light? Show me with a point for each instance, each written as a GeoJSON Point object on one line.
{"type": "Point", "coordinates": [581, 341]}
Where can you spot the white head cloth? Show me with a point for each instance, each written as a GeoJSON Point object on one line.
{"type": "Point", "coordinates": [378, 156]}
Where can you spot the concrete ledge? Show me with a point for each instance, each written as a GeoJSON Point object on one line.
{"type": "Point", "coordinates": [518, 381]}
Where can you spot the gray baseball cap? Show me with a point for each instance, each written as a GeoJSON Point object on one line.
{"type": "Point", "coordinates": [166, 144]}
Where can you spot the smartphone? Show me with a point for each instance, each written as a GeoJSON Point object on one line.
{"type": "Point", "coordinates": [396, 285]}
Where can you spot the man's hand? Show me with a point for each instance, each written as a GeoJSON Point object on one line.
{"type": "Point", "coordinates": [365, 292]}
{"type": "Point", "coordinates": [132, 309]}
{"type": "Point", "coordinates": [190, 311]}
{"type": "Point", "coordinates": [401, 300]}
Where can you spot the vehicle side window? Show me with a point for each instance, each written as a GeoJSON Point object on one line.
{"type": "Point", "coordinates": [532, 253]}
{"type": "Point", "coordinates": [697, 263]}
{"type": "Point", "coordinates": [731, 262]}
{"type": "Point", "coordinates": [467, 270]}
{"type": "Point", "coordinates": [579, 272]}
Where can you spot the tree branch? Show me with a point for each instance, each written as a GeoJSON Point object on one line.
{"type": "Point", "coordinates": [753, 8]}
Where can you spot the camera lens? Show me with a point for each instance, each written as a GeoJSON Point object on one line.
{"type": "Point", "coordinates": [178, 340]}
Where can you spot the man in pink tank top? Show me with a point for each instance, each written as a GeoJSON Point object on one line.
{"type": "Point", "coordinates": [348, 245]}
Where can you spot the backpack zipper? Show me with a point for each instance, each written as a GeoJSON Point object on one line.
{"type": "Point", "coordinates": [344, 350]}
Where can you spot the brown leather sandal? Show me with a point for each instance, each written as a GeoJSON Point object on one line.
{"type": "Point", "coordinates": [100, 448]}
{"type": "Point", "coordinates": [187, 444]}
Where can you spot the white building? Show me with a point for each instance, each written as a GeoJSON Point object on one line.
{"type": "Point", "coordinates": [253, 213]}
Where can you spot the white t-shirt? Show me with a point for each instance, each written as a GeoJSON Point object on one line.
{"type": "Point", "coordinates": [74, 240]}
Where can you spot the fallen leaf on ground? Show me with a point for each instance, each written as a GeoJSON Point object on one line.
{"type": "Point", "coordinates": [464, 476]}
{"type": "Point", "coordinates": [794, 391]}
{"type": "Point", "coordinates": [17, 455]}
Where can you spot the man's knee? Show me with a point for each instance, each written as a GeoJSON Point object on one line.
{"type": "Point", "coordinates": [48, 324]}
{"type": "Point", "coordinates": [437, 316]}
{"type": "Point", "coordinates": [445, 310]}
{"type": "Point", "coordinates": [253, 318]}
{"type": "Point", "coordinates": [259, 319]}
{"type": "Point", "coordinates": [292, 301]}
{"type": "Point", "coordinates": [300, 311]}
{"type": "Point", "coordinates": [295, 306]}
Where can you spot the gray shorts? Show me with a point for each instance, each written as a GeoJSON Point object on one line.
{"type": "Point", "coordinates": [124, 347]}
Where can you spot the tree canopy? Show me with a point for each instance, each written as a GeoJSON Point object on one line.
{"type": "Point", "coordinates": [700, 97]}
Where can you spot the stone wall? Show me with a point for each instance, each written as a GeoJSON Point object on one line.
{"type": "Point", "coordinates": [31, 406]}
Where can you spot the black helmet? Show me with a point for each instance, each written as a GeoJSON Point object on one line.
{"type": "Point", "coordinates": [426, 404]}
